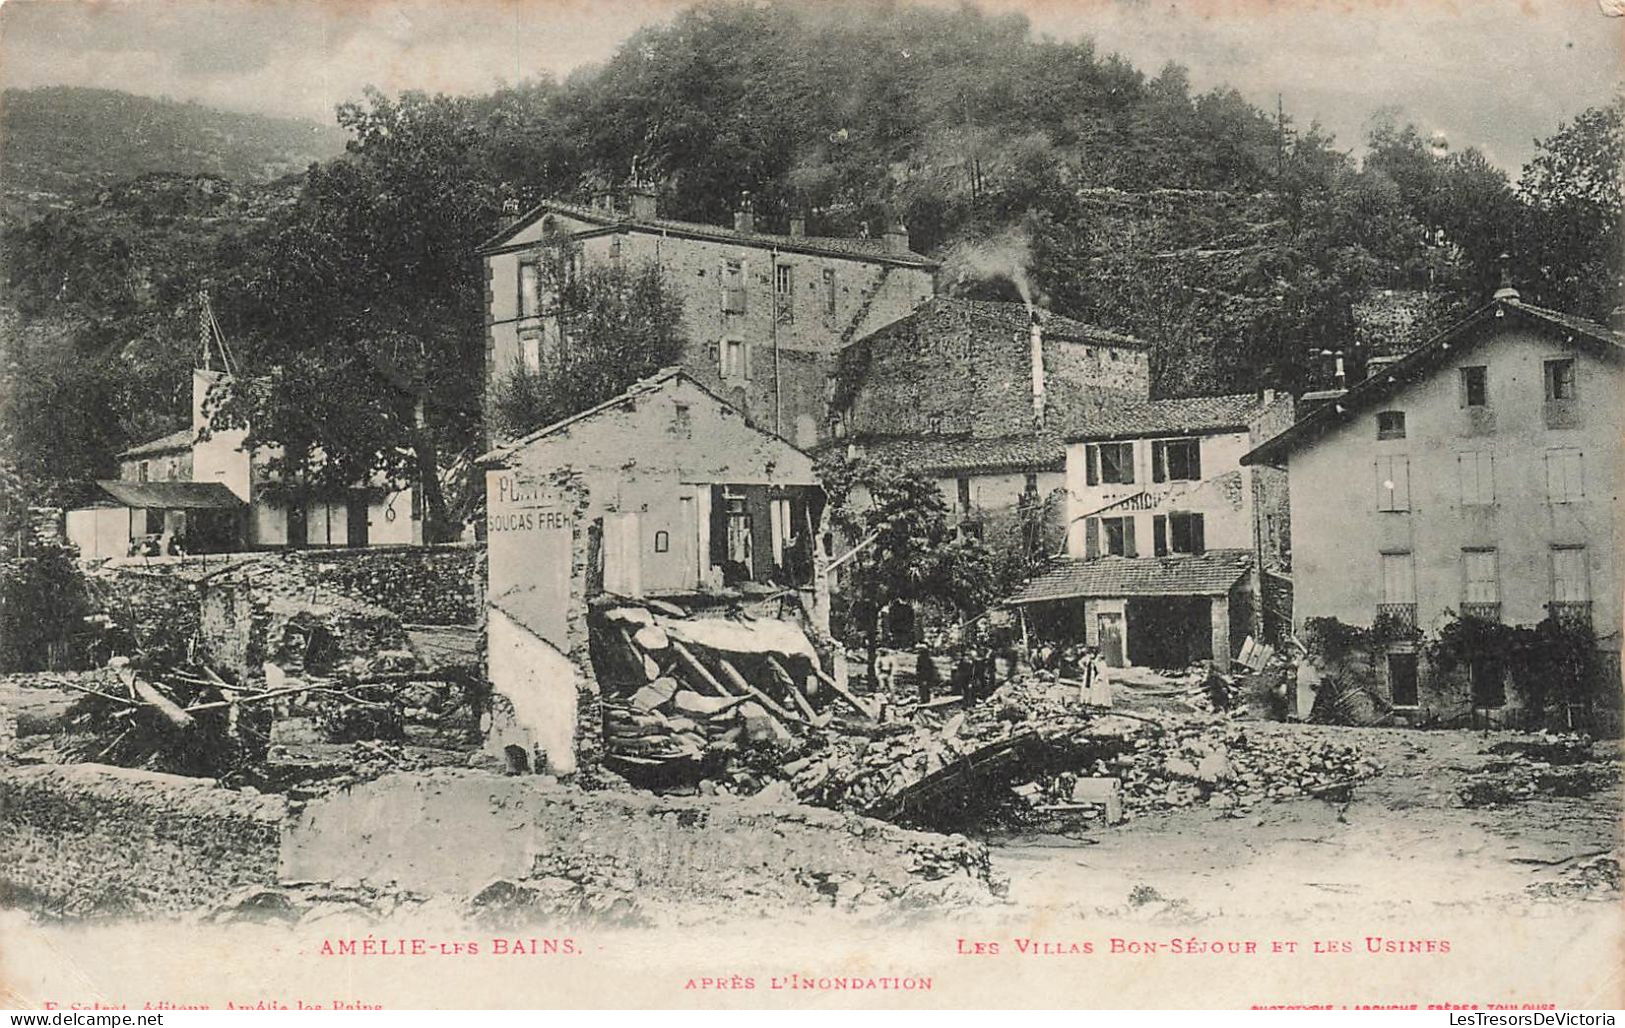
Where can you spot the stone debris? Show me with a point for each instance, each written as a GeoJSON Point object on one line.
{"type": "Point", "coordinates": [1551, 765]}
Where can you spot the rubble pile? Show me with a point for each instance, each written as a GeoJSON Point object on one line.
{"type": "Point", "coordinates": [686, 696]}
{"type": "Point", "coordinates": [1553, 765]}
{"type": "Point", "coordinates": [1216, 761]}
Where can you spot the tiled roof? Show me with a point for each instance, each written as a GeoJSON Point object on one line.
{"type": "Point", "coordinates": [871, 249]}
{"type": "Point", "coordinates": [1423, 360]}
{"type": "Point", "coordinates": [1208, 574]}
{"type": "Point", "coordinates": [180, 439]}
{"type": "Point", "coordinates": [172, 495]}
{"type": "Point", "coordinates": [1151, 417]}
{"type": "Point", "coordinates": [950, 454]}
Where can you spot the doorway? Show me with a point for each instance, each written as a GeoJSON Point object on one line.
{"type": "Point", "coordinates": [1110, 635]}
{"type": "Point", "coordinates": [355, 520]}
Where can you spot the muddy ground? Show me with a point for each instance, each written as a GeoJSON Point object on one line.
{"type": "Point", "coordinates": [1404, 844]}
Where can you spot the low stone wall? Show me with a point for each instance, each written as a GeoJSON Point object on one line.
{"type": "Point", "coordinates": [87, 840]}
{"type": "Point", "coordinates": [429, 586]}
{"type": "Point", "coordinates": [459, 831]}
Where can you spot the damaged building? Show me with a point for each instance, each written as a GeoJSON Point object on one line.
{"type": "Point", "coordinates": [664, 491]}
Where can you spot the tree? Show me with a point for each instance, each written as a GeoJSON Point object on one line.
{"type": "Point", "coordinates": [1572, 240]}
{"type": "Point", "coordinates": [613, 325]}
{"type": "Point", "coordinates": [361, 319]}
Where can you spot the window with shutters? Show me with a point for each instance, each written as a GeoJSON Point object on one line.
{"type": "Point", "coordinates": [1177, 532]}
{"type": "Point", "coordinates": [1565, 478]}
{"type": "Point", "coordinates": [1117, 537]}
{"type": "Point", "coordinates": [1176, 460]}
{"type": "Point", "coordinates": [784, 292]}
{"type": "Point", "coordinates": [1390, 424]}
{"type": "Point", "coordinates": [1481, 584]}
{"type": "Point", "coordinates": [829, 295]}
{"type": "Point", "coordinates": [1109, 463]}
{"type": "Point", "coordinates": [963, 487]}
{"type": "Point", "coordinates": [1394, 482]}
{"type": "Point", "coordinates": [735, 359]}
{"type": "Point", "coordinates": [1398, 578]}
{"type": "Point", "coordinates": [733, 287]}
{"type": "Point", "coordinates": [1570, 582]}
{"type": "Point", "coordinates": [530, 290]}
{"type": "Point", "coordinates": [1476, 471]}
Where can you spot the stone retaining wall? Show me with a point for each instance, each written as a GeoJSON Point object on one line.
{"type": "Point", "coordinates": [87, 840]}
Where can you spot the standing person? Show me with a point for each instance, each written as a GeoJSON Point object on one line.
{"type": "Point", "coordinates": [925, 673]}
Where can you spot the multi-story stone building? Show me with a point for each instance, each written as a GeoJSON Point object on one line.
{"type": "Point", "coordinates": [764, 313]}
{"type": "Point", "coordinates": [980, 395]}
{"type": "Point", "coordinates": [1477, 475]}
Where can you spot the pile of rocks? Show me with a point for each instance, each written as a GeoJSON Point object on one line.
{"type": "Point", "coordinates": [1553, 765]}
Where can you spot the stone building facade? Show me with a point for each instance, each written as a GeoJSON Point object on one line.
{"type": "Point", "coordinates": [1479, 475]}
{"type": "Point", "coordinates": [764, 312]}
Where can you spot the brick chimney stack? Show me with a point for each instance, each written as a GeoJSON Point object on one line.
{"type": "Point", "coordinates": [896, 238]}
{"type": "Point", "coordinates": [798, 226]}
{"type": "Point", "coordinates": [1035, 345]}
{"type": "Point", "coordinates": [744, 216]}
{"type": "Point", "coordinates": [641, 202]}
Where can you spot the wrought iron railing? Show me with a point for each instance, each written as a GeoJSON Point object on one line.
{"type": "Point", "coordinates": [1481, 611]}
{"type": "Point", "coordinates": [1570, 612]}
{"type": "Point", "coordinates": [1397, 615]}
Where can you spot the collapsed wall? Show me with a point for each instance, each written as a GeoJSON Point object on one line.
{"type": "Point", "coordinates": [92, 840]}
{"type": "Point", "coordinates": [458, 832]}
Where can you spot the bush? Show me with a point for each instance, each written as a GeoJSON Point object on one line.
{"type": "Point", "coordinates": [43, 603]}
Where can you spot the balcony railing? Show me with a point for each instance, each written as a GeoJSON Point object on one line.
{"type": "Point", "coordinates": [1482, 611]}
{"type": "Point", "coordinates": [1397, 615]}
{"type": "Point", "coordinates": [1570, 612]}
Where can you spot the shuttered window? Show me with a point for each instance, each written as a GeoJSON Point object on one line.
{"type": "Point", "coordinates": [1394, 483]}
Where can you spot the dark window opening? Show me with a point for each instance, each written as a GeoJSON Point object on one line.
{"type": "Point", "coordinates": [1475, 386]}
{"type": "Point", "coordinates": [1488, 678]}
{"type": "Point", "coordinates": [518, 760]}
{"type": "Point", "coordinates": [1032, 484]}
{"type": "Point", "coordinates": [1185, 533]}
{"type": "Point", "coordinates": [1390, 424]}
{"type": "Point", "coordinates": [1176, 460]}
{"type": "Point", "coordinates": [1118, 536]}
{"type": "Point", "coordinates": [1110, 463]}
{"type": "Point", "coordinates": [1403, 688]}
{"type": "Point", "coordinates": [662, 542]}
{"type": "Point", "coordinates": [964, 494]}
{"type": "Point", "coordinates": [1560, 379]}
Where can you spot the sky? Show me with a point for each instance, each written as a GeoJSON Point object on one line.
{"type": "Point", "coordinates": [1495, 74]}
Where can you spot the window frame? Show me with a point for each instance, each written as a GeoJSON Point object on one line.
{"type": "Point", "coordinates": [1095, 463]}
{"type": "Point", "coordinates": [735, 276]}
{"type": "Point", "coordinates": [729, 369]}
{"type": "Point", "coordinates": [1482, 464]}
{"type": "Point", "coordinates": [1389, 431]}
{"type": "Point", "coordinates": [1393, 495]}
{"type": "Point", "coordinates": [1550, 380]}
{"type": "Point", "coordinates": [1162, 462]}
{"type": "Point", "coordinates": [1467, 374]}
{"type": "Point", "coordinates": [1583, 566]}
{"type": "Point", "coordinates": [1572, 486]}
{"type": "Point", "coordinates": [1468, 579]}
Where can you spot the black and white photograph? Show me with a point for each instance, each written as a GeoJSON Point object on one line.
{"type": "Point", "coordinates": [822, 504]}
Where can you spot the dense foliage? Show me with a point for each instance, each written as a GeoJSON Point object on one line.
{"type": "Point", "coordinates": [1236, 241]}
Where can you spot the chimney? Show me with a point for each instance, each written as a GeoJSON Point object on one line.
{"type": "Point", "coordinates": [1616, 318]}
{"type": "Point", "coordinates": [510, 211]}
{"type": "Point", "coordinates": [603, 198]}
{"type": "Point", "coordinates": [744, 217]}
{"type": "Point", "coordinates": [1506, 291]}
{"type": "Point", "coordinates": [1035, 345]}
{"type": "Point", "coordinates": [798, 226]}
{"type": "Point", "coordinates": [896, 239]}
{"type": "Point", "coordinates": [1340, 379]}
{"type": "Point", "coordinates": [641, 203]}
